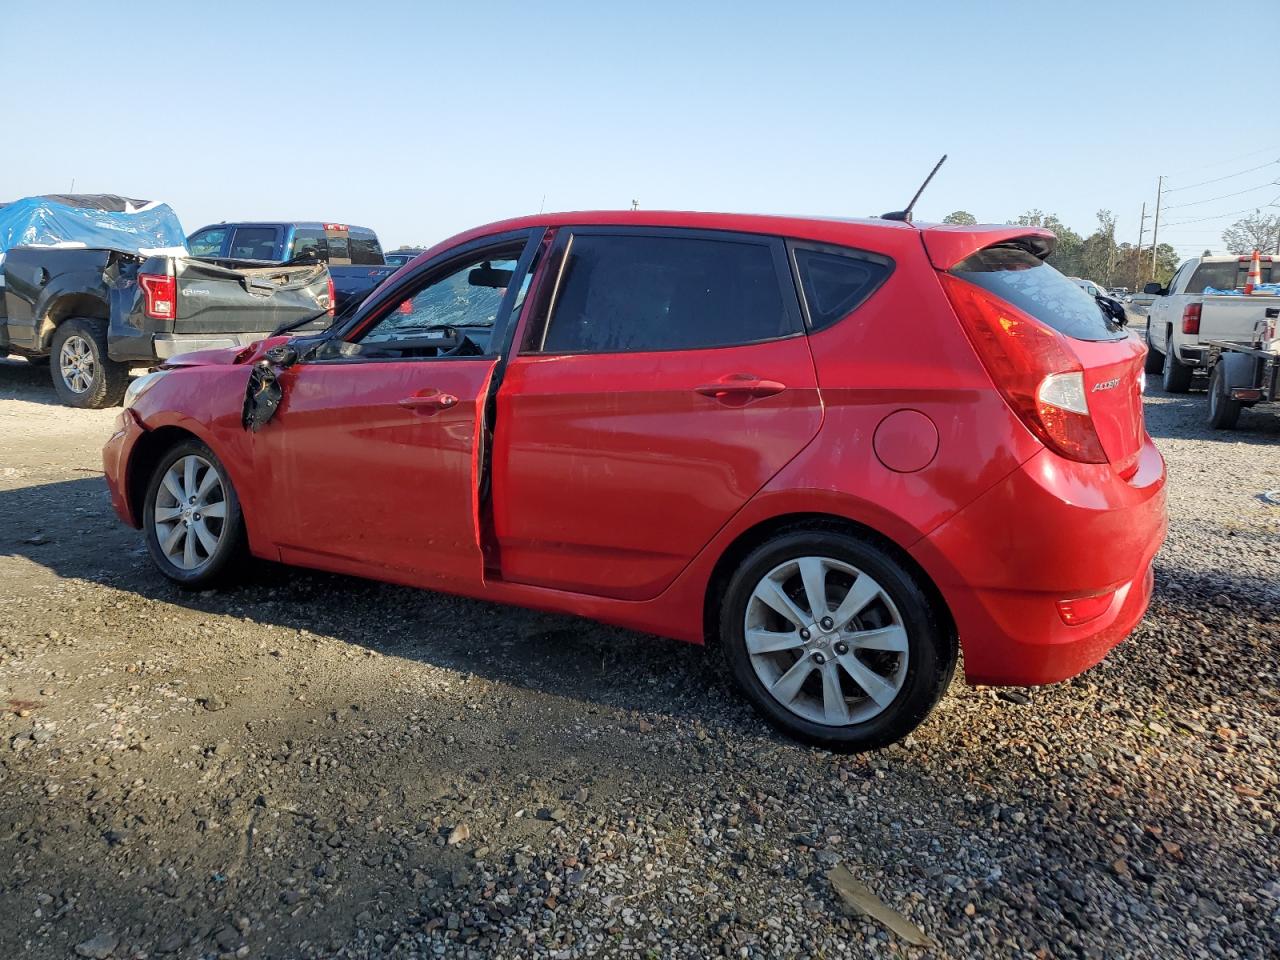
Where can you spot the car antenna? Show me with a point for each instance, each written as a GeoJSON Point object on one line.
{"type": "Point", "coordinates": [905, 215]}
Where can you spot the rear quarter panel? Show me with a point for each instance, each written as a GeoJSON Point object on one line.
{"type": "Point", "coordinates": [904, 350]}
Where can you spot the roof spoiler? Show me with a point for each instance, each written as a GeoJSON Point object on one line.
{"type": "Point", "coordinates": [947, 244]}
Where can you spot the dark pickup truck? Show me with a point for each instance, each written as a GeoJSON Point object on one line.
{"type": "Point", "coordinates": [354, 255]}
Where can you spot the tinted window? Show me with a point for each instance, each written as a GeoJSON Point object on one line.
{"type": "Point", "coordinates": [207, 243]}
{"type": "Point", "coordinates": [310, 243]}
{"type": "Point", "coordinates": [1036, 288]}
{"type": "Point", "coordinates": [365, 250]}
{"type": "Point", "coordinates": [254, 243]}
{"type": "Point", "coordinates": [339, 252]}
{"type": "Point", "coordinates": [632, 293]}
{"type": "Point", "coordinates": [1228, 275]}
{"type": "Point", "coordinates": [835, 284]}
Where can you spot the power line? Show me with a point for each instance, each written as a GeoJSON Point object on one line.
{"type": "Point", "coordinates": [1223, 216]}
{"type": "Point", "coordinates": [1218, 163]}
{"type": "Point", "coordinates": [1194, 203]}
{"type": "Point", "coordinates": [1229, 176]}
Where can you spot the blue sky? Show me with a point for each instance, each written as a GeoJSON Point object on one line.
{"type": "Point", "coordinates": [422, 119]}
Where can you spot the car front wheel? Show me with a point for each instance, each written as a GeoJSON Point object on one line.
{"type": "Point", "coordinates": [191, 517]}
{"type": "Point", "coordinates": [833, 641]}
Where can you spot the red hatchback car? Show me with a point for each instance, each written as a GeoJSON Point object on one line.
{"type": "Point", "coordinates": [842, 450]}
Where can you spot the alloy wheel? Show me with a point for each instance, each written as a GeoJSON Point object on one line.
{"type": "Point", "coordinates": [826, 641]}
{"type": "Point", "coordinates": [190, 512]}
{"type": "Point", "coordinates": [76, 363]}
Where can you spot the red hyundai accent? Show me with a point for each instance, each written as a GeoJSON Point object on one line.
{"type": "Point", "coordinates": [843, 451]}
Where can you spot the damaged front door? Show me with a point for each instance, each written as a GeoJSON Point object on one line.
{"type": "Point", "coordinates": [374, 455]}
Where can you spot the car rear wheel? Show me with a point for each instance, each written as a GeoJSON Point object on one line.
{"type": "Point", "coordinates": [833, 641]}
{"type": "Point", "coordinates": [191, 517]}
{"type": "Point", "coordinates": [83, 375]}
{"type": "Point", "coordinates": [1175, 376]}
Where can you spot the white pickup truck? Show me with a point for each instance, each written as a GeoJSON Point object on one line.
{"type": "Point", "coordinates": [1182, 316]}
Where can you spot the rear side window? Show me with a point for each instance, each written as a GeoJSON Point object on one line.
{"type": "Point", "coordinates": [639, 293]}
{"type": "Point", "coordinates": [254, 243]}
{"type": "Point", "coordinates": [1035, 288]}
{"type": "Point", "coordinates": [310, 243]}
{"type": "Point", "coordinates": [365, 250]}
{"type": "Point", "coordinates": [836, 284]}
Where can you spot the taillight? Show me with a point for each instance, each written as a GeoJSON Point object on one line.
{"type": "Point", "coordinates": [160, 296]}
{"type": "Point", "coordinates": [1191, 318]}
{"type": "Point", "coordinates": [1033, 368]}
{"type": "Point", "coordinates": [333, 300]}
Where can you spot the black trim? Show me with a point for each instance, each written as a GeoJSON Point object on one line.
{"type": "Point", "coordinates": [539, 321]}
{"type": "Point", "coordinates": [835, 250]}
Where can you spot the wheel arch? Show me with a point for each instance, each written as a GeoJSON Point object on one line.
{"type": "Point", "coordinates": [66, 307]}
{"type": "Point", "coordinates": [151, 446]}
{"type": "Point", "coordinates": [764, 530]}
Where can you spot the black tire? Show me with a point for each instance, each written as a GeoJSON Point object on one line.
{"type": "Point", "coordinates": [105, 380]}
{"type": "Point", "coordinates": [1224, 410]}
{"type": "Point", "coordinates": [1154, 362]}
{"type": "Point", "coordinates": [1175, 376]}
{"type": "Point", "coordinates": [227, 559]}
{"type": "Point", "coordinates": [931, 650]}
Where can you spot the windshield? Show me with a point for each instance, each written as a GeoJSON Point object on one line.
{"type": "Point", "coordinates": [1034, 287]}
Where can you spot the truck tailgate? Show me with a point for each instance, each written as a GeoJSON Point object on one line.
{"type": "Point", "coordinates": [1233, 318]}
{"type": "Point", "coordinates": [214, 298]}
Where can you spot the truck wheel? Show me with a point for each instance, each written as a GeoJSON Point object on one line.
{"type": "Point", "coordinates": [1154, 362]}
{"type": "Point", "coordinates": [1224, 410]}
{"type": "Point", "coordinates": [833, 641]}
{"type": "Point", "coordinates": [83, 375]}
{"type": "Point", "coordinates": [1175, 377]}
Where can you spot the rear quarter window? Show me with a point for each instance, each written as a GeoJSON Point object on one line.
{"type": "Point", "coordinates": [1024, 280]}
{"type": "Point", "coordinates": [835, 282]}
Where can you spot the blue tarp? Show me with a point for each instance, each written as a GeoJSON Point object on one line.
{"type": "Point", "coordinates": [97, 221]}
{"type": "Point", "coordinates": [1273, 289]}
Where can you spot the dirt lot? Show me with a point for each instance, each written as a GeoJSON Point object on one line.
{"type": "Point", "coordinates": [315, 766]}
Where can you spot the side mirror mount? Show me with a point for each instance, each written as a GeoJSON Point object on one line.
{"type": "Point", "coordinates": [1154, 288]}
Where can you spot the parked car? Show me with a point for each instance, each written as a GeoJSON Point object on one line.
{"type": "Point", "coordinates": [100, 295]}
{"type": "Point", "coordinates": [1187, 313]}
{"type": "Point", "coordinates": [398, 258]}
{"type": "Point", "coordinates": [840, 450]}
{"type": "Point", "coordinates": [353, 254]}
{"type": "Point", "coordinates": [1089, 287]}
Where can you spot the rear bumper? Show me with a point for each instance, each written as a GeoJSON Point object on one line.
{"type": "Point", "coordinates": [1193, 356]}
{"type": "Point", "coordinates": [1053, 530]}
{"type": "Point", "coordinates": [168, 345]}
{"type": "Point", "coordinates": [115, 464]}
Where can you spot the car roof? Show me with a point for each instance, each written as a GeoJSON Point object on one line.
{"type": "Point", "coordinates": [946, 244]}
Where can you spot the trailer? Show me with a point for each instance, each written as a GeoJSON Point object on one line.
{"type": "Point", "coordinates": [1243, 374]}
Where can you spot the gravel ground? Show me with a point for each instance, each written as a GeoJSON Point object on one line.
{"type": "Point", "coordinates": [314, 766]}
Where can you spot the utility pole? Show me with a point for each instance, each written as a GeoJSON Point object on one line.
{"type": "Point", "coordinates": [1155, 226]}
{"type": "Point", "coordinates": [1142, 229]}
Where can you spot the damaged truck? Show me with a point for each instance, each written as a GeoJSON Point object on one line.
{"type": "Point", "coordinates": [96, 285]}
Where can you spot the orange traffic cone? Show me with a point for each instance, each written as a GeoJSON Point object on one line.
{"type": "Point", "coordinates": [1254, 277]}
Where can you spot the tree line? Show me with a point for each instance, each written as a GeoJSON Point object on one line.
{"type": "Point", "coordinates": [1099, 258]}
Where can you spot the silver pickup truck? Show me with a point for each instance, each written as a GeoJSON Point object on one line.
{"type": "Point", "coordinates": [1186, 314]}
